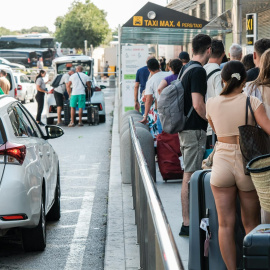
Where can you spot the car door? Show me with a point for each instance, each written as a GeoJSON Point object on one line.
{"type": "Point", "coordinates": [49, 158]}
{"type": "Point", "coordinates": [33, 166]}
{"type": "Point", "coordinates": [28, 86]}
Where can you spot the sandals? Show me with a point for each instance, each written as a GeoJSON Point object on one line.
{"type": "Point", "coordinates": [71, 124]}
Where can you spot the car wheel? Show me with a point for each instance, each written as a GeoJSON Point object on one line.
{"type": "Point", "coordinates": [55, 212]}
{"type": "Point", "coordinates": [50, 120]}
{"type": "Point", "coordinates": [35, 239]}
{"type": "Point", "coordinates": [102, 118]}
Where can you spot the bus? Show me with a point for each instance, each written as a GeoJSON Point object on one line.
{"type": "Point", "coordinates": [42, 44]}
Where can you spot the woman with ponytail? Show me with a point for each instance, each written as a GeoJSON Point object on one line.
{"type": "Point", "coordinates": [41, 90]}
{"type": "Point", "coordinates": [225, 114]}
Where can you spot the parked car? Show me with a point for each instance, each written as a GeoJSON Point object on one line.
{"type": "Point", "coordinates": [26, 89]}
{"type": "Point", "coordinates": [10, 77]}
{"type": "Point", "coordinates": [26, 57]}
{"type": "Point", "coordinates": [30, 176]}
{"type": "Point", "coordinates": [4, 61]}
{"type": "Point", "coordinates": [62, 65]}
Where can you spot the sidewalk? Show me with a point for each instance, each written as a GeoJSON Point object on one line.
{"type": "Point", "coordinates": [121, 252]}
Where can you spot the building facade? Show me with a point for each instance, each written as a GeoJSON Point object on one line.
{"type": "Point", "coordinates": [229, 14]}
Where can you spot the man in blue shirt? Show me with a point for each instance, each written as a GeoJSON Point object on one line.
{"type": "Point", "coordinates": [141, 79]}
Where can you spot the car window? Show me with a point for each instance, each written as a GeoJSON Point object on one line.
{"type": "Point", "coordinates": [25, 78]}
{"type": "Point", "coordinates": [19, 122]}
{"type": "Point", "coordinates": [22, 79]}
{"type": "Point", "coordinates": [33, 123]}
{"type": "Point", "coordinates": [1, 61]}
{"type": "Point", "coordinates": [16, 79]}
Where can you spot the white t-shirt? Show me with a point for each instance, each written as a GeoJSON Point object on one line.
{"type": "Point", "coordinates": [214, 86]}
{"type": "Point", "coordinates": [153, 83]}
{"type": "Point", "coordinates": [77, 86]}
{"type": "Point", "coordinates": [62, 84]}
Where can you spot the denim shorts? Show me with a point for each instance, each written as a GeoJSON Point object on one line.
{"type": "Point", "coordinates": [77, 99]}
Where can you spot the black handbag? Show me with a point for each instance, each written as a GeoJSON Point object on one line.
{"type": "Point", "coordinates": [254, 141]}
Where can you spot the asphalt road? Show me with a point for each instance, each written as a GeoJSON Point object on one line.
{"type": "Point", "coordinates": [77, 241]}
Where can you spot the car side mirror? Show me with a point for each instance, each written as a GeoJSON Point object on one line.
{"type": "Point", "coordinates": [53, 132]}
{"type": "Point", "coordinates": [102, 87]}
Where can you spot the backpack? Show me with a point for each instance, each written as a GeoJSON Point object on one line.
{"type": "Point", "coordinates": [171, 105]}
{"type": "Point", "coordinates": [57, 80]}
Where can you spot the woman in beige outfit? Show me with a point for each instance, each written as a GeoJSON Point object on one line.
{"type": "Point", "coordinates": [225, 114]}
{"type": "Point", "coordinates": [260, 88]}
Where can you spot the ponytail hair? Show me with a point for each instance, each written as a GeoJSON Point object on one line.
{"type": "Point", "coordinates": [234, 74]}
{"type": "Point", "coordinates": [39, 74]}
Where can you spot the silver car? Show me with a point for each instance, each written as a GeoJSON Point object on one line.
{"type": "Point", "coordinates": [30, 176]}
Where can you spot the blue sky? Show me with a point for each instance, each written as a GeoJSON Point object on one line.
{"type": "Point", "coordinates": [20, 14]}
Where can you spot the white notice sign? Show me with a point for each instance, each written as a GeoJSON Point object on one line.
{"type": "Point", "coordinates": [133, 58]}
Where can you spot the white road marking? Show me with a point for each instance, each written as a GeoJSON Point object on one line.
{"type": "Point", "coordinates": [77, 247]}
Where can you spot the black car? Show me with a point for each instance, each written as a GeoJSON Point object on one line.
{"type": "Point", "coordinates": [25, 57]}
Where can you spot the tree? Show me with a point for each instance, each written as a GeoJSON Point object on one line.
{"type": "Point", "coordinates": [82, 22]}
{"type": "Point", "coordinates": [4, 31]}
{"type": "Point", "coordinates": [36, 29]}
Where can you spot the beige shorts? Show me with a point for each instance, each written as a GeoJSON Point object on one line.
{"type": "Point", "coordinates": [192, 145]}
{"type": "Point", "coordinates": [228, 170]}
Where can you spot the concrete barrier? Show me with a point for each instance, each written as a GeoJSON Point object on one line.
{"type": "Point", "coordinates": [148, 149]}
{"type": "Point", "coordinates": [119, 113]}
{"type": "Point", "coordinates": [112, 81]}
{"type": "Point", "coordinates": [136, 123]}
{"type": "Point", "coordinates": [127, 156]}
{"type": "Point", "coordinates": [136, 118]}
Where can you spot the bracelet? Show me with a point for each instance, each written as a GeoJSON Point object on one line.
{"type": "Point", "coordinates": [144, 115]}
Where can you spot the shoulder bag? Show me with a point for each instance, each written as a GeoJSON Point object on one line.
{"type": "Point", "coordinates": [254, 141]}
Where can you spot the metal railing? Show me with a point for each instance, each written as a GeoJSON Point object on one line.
{"type": "Point", "coordinates": [157, 245]}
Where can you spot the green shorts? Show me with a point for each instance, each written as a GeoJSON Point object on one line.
{"type": "Point", "coordinates": [77, 99]}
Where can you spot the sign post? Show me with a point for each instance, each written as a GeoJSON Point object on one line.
{"type": "Point", "coordinates": [251, 32]}
{"type": "Point", "coordinates": [133, 58]}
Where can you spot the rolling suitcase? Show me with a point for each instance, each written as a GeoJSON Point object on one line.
{"type": "Point", "coordinates": [92, 114]}
{"type": "Point", "coordinates": [168, 154]}
{"type": "Point", "coordinates": [66, 112]}
{"type": "Point", "coordinates": [204, 252]}
{"type": "Point", "coordinates": [257, 248]}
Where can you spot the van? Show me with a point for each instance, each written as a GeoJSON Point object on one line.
{"type": "Point", "coordinates": [10, 77]}
{"type": "Point", "coordinates": [26, 57]}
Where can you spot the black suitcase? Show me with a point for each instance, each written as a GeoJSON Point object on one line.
{"type": "Point", "coordinates": [202, 205]}
{"type": "Point", "coordinates": [66, 112]}
{"type": "Point", "coordinates": [92, 115]}
{"type": "Point", "coordinates": [257, 248]}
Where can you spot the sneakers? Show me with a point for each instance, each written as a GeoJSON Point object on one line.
{"type": "Point", "coordinates": [71, 124]}
{"type": "Point", "coordinates": [184, 230]}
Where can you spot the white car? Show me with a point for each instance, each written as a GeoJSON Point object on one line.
{"type": "Point", "coordinates": [30, 176]}
{"type": "Point", "coordinates": [4, 61]}
{"type": "Point", "coordinates": [26, 89]}
{"type": "Point", "coordinates": [62, 65]}
{"type": "Point", "coordinates": [10, 77]}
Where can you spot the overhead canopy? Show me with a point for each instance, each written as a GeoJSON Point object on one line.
{"type": "Point", "coordinates": [155, 24]}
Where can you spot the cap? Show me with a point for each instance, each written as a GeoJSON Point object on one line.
{"type": "Point", "coordinates": [184, 55]}
{"type": "Point", "coordinates": [73, 69]}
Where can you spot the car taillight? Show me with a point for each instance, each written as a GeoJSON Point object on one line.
{"type": "Point", "coordinates": [14, 217]}
{"type": "Point", "coordinates": [97, 89]}
{"type": "Point", "coordinates": [28, 60]}
{"type": "Point", "coordinates": [11, 153]}
{"type": "Point", "coordinates": [19, 87]}
{"type": "Point", "coordinates": [51, 91]}
{"type": "Point", "coordinates": [100, 106]}
{"type": "Point", "coordinates": [15, 92]}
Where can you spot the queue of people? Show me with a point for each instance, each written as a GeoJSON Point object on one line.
{"type": "Point", "coordinates": [216, 93]}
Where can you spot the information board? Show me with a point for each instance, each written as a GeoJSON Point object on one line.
{"type": "Point", "coordinates": [251, 31]}
{"type": "Point", "coordinates": [133, 58]}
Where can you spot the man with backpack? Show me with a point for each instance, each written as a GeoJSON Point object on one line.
{"type": "Point", "coordinates": [60, 87]}
{"type": "Point", "coordinates": [214, 81]}
{"type": "Point", "coordinates": [193, 136]}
